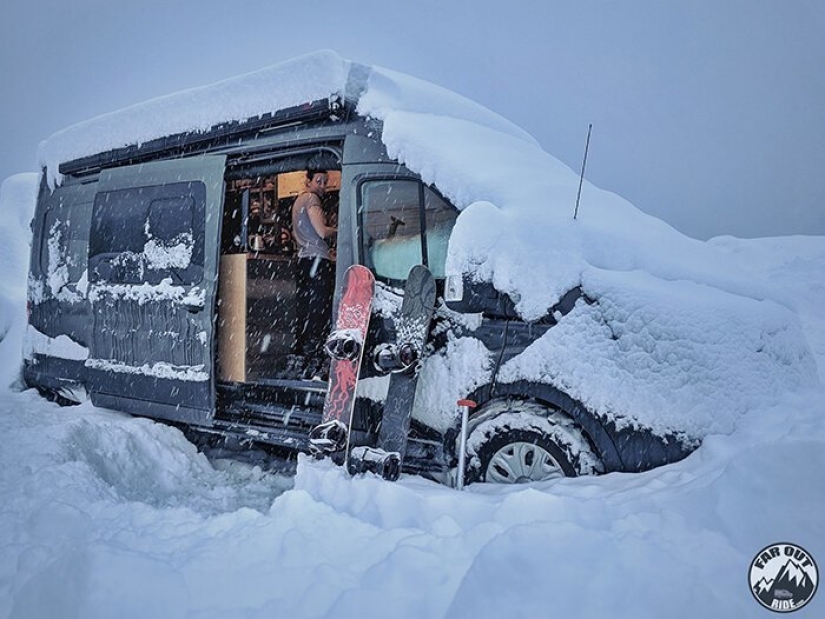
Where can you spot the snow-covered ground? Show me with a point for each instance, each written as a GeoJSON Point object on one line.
{"type": "Point", "coordinates": [103, 515]}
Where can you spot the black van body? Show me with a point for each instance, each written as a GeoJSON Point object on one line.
{"type": "Point", "coordinates": [150, 292]}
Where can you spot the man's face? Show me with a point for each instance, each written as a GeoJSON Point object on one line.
{"type": "Point", "coordinates": [318, 184]}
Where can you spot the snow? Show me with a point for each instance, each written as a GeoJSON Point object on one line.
{"type": "Point", "coordinates": [62, 346]}
{"type": "Point", "coordinates": [697, 358]}
{"type": "Point", "coordinates": [464, 365]}
{"type": "Point", "coordinates": [308, 78]}
{"type": "Point", "coordinates": [164, 255]}
{"type": "Point", "coordinates": [105, 515]}
{"type": "Point", "coordinates": [18, 195]}
{"type": "Point", "coordinates": [146, 293]}
{"type": "Point", "coordinates": [158, 370]}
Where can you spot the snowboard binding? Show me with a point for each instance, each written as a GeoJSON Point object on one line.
{"type": "Point", "coordinates": [373, 460]}
{"type": "Point", "coordinates": [392, 358]}
{"type": "Point", "coordinates": [344, 345]}
{"type": "Point", "coordinates": [328, 438]}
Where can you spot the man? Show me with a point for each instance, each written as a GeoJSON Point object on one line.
{"type": "Point", "coordinates": [316, 272]}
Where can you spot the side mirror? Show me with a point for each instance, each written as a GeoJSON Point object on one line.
{"type": "Point", "coordinates": [463, 294]}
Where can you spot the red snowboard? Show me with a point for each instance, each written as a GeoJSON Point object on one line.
{"type": "Point", "coordinates": [346, 347]}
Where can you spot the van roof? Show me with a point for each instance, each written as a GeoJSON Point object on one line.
{"type": "Point", "coordinates": [316, 84]}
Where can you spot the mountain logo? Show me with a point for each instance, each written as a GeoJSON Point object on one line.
{"type": "Point", "coordinates": [783, 577]}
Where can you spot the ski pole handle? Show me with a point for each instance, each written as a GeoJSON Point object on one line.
{"type": "Point", "coordinates": [465, 406]}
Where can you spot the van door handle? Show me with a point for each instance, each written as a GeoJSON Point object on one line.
{"type": "Point", "coordinates": [193, 308]}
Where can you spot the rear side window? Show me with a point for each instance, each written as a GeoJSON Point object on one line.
{"type": "Point", "coordinates": [64, 250]}
{"type": "Point", "coordinates": [148, 234]}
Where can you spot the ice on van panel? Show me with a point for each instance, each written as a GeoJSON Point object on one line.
{"type": "Point", "coordinates": [58, 268]}
{"type": "Point", "coordinates": [62, 346]}
{"type": "Point", "coordinates": [35, 290]}
{"type": "Point", "coordinates": [160, 369]}
{"type": "Point", "coordinates": [59, 264]}
{"type": "Point", "coordinates": [144, 293]}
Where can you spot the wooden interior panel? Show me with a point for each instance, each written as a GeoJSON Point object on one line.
{"type": "Point", "coordinates": [232, 318]}
{"type": "Point", "coordinates": [290, 184]}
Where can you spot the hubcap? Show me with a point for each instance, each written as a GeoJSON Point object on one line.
{"type": "Point", "coordinates": [520, 463]}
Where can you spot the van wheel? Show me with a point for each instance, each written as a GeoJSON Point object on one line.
{"type": "Point", "coordinates": [523, 446]}
{"type": "Point", "coordinates": [53, 395]}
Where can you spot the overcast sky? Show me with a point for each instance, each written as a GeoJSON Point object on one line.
{"type": "Point", "coordinates": [706, 113]}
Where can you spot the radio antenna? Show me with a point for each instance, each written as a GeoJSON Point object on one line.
{"type": "Point", "coordinates": [584, 163]}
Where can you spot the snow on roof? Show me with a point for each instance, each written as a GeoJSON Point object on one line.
{"type": "Point", "coordinates": [312, 77]}
{"type": "Point", "coordinates": [308, 78]}
{"type": "Point", "coordinates": [688, 330]}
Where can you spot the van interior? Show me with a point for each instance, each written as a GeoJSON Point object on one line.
{"type": "Point", "coordinates": [256, 318]}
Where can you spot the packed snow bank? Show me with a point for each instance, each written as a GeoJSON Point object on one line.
{"type": "Point", "coordinates": [18, 194]}
{"type": "Point", "coordinates": [794, 266]}
{"type": "Point", "coordinates": [105, 516]}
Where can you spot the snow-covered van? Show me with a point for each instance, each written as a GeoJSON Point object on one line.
{"type": "Point", "coordinates": [588, 345]}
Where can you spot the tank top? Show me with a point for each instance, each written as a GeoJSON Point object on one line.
{"type": "Point", "coordinates": [310, 243]}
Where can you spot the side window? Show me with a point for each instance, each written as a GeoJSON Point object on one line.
{"type": "Point", "coordinates": [148, 234]}
{"type": "Point", "coordinates": [65, 249]}
{"type": "Point", "coordinates": [440, 217]}
{"type": "Point", "coordinates": [393, 215]}
{"type": "Point", "coordinates": [391, 227]}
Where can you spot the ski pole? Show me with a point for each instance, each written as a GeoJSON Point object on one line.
{"type": "Point", "coordinates": [465, 405]}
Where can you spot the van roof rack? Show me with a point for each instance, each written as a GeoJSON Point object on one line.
{"type": "Point", "coordinates": [180, 144]}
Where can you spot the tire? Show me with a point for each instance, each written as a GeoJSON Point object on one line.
{"type": "Point", "coordinates": [524, 442]}
{"type": "Point", "coordinates": [58, 396]}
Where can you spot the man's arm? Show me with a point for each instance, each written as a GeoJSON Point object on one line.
{"type": "Point", "coordinates": [316, 217]}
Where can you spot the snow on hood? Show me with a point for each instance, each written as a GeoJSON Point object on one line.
{"type": "Point", "coordinates": [517, 231]}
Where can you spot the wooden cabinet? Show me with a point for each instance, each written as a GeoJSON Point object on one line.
{"type": "Point", "coordinates": [256, 316]}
